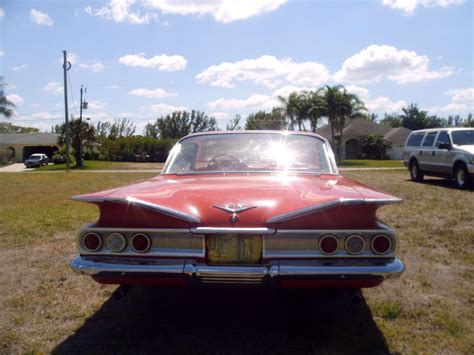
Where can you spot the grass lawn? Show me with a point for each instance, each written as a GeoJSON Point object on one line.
{"type": "Point", "coordinates": [45, 307]}
{"type": "Point", "coordinates": [105, 165]}
{"type": "Point", "coordinates": [366, 163]}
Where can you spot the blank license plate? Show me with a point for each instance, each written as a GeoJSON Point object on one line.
{"type": "Point", "coordinates": [234, 249]}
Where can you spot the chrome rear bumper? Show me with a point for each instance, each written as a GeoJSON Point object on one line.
{"type": "Point", "coordinates": [335, 270]}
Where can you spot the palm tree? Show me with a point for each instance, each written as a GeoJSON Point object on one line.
{"type": "Point", "coordinates": [316, 108]}
{"type": "Point", "coordinates": [6, 106]}
{"type": "Point", "coordinates": [337, 105]}
{"type": "Point", "coordinates": [289, 107]}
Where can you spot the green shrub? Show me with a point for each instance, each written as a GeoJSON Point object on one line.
{"type": "Point", "coordinates": [59, 157]}
{"type": "Point", "coordinates": [136, 148]}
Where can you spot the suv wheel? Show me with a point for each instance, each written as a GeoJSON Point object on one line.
{"type": "Point", "coordinates": [461, 176]}
{"type": "Point", "coordinates": [415, 172]}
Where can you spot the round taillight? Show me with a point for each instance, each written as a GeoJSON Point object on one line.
{"type": "Point", "coordinates": [328, 244]}
{"type": "Point", "coordinates": [355, 244]}
{"type": "Point", "coordinates": [381, 244]}
{"type": "Point", "coordinates": [141, 242]}
{"type": "Point", "coordinates": [116, 242]}
{"type": "Point", "coordinates": [92, 242]}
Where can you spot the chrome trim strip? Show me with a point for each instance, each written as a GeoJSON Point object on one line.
{"type": "Point", "coordinates": [136, 230]}
{"type": "Point", "coordinates": [145, 204]}
{"type": "Point", "coordinates": [223, 230]}
{"type": "Point", "coordinates": [339, 202]}
{"type": "Point", "coordinates": [341, 269]}
{"type": "Point", "coordinates": [239, 209]}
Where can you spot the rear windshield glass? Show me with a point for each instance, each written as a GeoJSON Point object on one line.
{"type": "Point", "coordinates": [249, 152]}
{"type": "Point", "coordinates": [463, 137]}
{"type": "Point", "coordinates": [415, 139]}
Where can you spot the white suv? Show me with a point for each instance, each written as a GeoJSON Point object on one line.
{"type": "Point", "coordinates": [443, 152]}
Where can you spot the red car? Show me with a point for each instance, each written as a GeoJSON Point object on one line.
{"type": "Point", "coordinates": [251, 207]}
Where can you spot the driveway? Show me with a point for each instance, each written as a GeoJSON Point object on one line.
{"type": "Point", "coordinates": [14, 168]}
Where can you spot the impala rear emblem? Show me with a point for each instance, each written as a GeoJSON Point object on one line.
{"type": "Point", "coordinates": [234, 209]}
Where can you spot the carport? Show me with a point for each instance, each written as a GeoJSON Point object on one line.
{"type": "Point", "coordinates": [22, 145]}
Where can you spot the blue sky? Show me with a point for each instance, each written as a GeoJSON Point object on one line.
{"type": "Point", "coordinates": [142, 59]}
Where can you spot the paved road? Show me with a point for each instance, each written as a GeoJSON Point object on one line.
{"type": "Point", "coordinates": [14, 168]}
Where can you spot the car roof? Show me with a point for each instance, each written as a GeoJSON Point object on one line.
{"type": "Point", "coordinates": [448, 129]}
{"type": "Point", "coordinates": [305, 133]}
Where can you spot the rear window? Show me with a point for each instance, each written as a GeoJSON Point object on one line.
{"type": "Point", "coordinates": [415, 139]}
{"type": "Point", "coordinates": [429, 140]}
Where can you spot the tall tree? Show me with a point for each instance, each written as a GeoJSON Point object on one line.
{"type": "Point", "coordinates": [266, 120]}
{"type": "Point", "coordinates": [6, 106]}
{"type": "Point", "coordinates": [391, 120]}
{"type": "Point", "coordinates": [233, 125]}
{"type": "Point", "coordinates": [317, 108]}
{"type": "Point", "coordinates": [80, 132]}
{"type": "Point", "coordinates": [289, 107]}
{"type": "Point", "coordinates": [181, 123]}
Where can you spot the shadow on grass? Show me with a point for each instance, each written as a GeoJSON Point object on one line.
{"type": "Point", "coordinates": [447, 183]}
{"type": "Point", "coordinates": [236, 321]}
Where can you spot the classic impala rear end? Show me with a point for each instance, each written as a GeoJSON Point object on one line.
{"type": "Point", "coordinates": [273, 212]}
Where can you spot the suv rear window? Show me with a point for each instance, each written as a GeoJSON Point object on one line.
{"type": "Point", "coordinates": [429, 139]}
{"type": "Point", "coordinates": [415, 139]}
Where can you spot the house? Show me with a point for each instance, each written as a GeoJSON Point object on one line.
{"type": "Point", "coordinates": [397, 137]}
{"type": "Point", "coordinates": [21, 145]}
{"type": "Point", "coordinates": [354, 132]}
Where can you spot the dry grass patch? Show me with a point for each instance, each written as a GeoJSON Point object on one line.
{"type": "Point", "coordinates": [46, 307]}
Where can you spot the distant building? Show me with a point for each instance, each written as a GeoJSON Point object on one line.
{"type": "Point", "coordinates": [355, 131]}
{"type": "Point", "coordinates": [22, 145]}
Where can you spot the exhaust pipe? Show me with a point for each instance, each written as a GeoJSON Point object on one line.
{"type": "Point", "coordinates": [120, 292]}
{"type": "Point", "coordinates": [354, 296]}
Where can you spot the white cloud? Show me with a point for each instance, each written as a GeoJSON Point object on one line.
{"type": "Point", "coordinates": [112, 87]}
{"type": "Point", "coordinates": [120, 11]}
{"type": "Point", "coordinates": [288, 89]}
{"type": "Point", "coordinates": [378, 62]}
{"type": "Point", "coordinates": [40, 18]}
{"type": "Point", "coordinates": [266, 70]}
{"type": "Point", "coordinates": [16, 99]}
{"type": "Point", "coordinates": [72, 58]}
{"type": "Point", "coordinates": [379, 105]}
{"type": "Point", "coordinates": [21, 67]}
{"type": "Point", "coordinates": [219, 115]}
{"type": "Point", "coordinates": [462, 95]}
{"type": "Point", "coordinates": [41, 116]}
{"type": "Point", "coordinates": [462, 103]}
{"type": "Point", "coordinates": [409, 6]}
{"type": "Point", "coordinates": [151, 93]}
{"type": "Point", "coordinates": [2, 13]}
{"type": "Point", "coordinates": [2, 53]}
{"type": "Point", "coordinates": [53, 87]}
{"type": "Point", "coordinates": [96, 104]}
{"type": "Point", "coordinates": [95, 67]}
{"type": "Point", "coordinates": [162, 62]}
{"type": "Point", "coordinates": [162, 108]}
{"type": "Point", "coordinates": [362, 93]}
{"type": "Point", "coordinates": [259, 102]}
{"type": "Point", "coordinates": [383, 104]}
{"type": "Point", "coordinates": [224, 11]}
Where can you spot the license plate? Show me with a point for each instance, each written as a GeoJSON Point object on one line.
{"type": "Point", "coordinates": [234, 249]}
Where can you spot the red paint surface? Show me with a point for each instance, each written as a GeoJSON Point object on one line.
{"type": "Point", "coordinates": [195, 195]}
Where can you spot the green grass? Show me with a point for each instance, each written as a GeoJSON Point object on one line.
{"type": "Point", "coordinates": [366, 163]}
{"type": "Point", "coordinates": [37, 205]}
{"type": "Point", "coordinates": [104, 165]}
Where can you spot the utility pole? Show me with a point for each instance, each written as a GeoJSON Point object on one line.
{"type": "Point", "coordinates": [66, 67]}
{"type": "Point", "coordinates": [83, 105]}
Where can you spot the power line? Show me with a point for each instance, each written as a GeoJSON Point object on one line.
{"type": "Point", "coordinates": [70, 89]}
